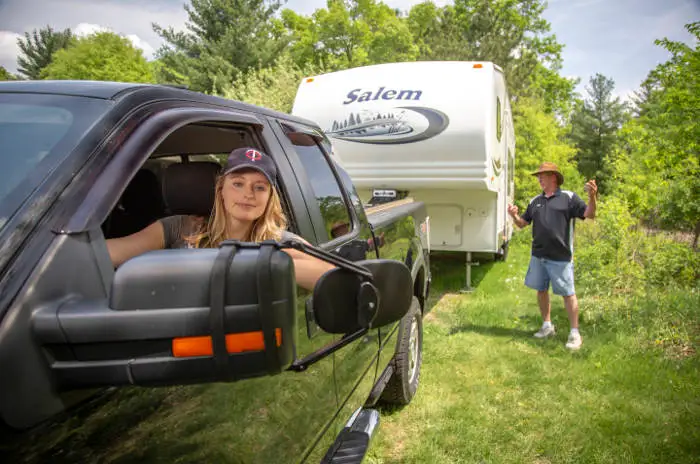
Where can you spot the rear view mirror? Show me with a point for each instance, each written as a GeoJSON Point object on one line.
{"type": "Point", "coordinates": [343, 303]}
{"type": "Point", "coordinates": [178, 317]}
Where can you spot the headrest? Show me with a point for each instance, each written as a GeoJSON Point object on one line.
{"type": "Point", "coordinates": [188, 188]}
{"type": "Point", "coordinates": [144, 186]}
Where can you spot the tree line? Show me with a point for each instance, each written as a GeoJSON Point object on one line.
{"type": "Point", "coordinates": [643, 152]}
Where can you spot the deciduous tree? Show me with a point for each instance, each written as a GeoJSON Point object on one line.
{"type": "Point", "coordinates": [103, 56]}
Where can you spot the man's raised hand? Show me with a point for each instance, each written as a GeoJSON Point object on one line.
{"type": "Point", "coordinates": [513, 210]}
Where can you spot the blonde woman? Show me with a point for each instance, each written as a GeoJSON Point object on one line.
{"type": "Point", "coordinates": [247, 207]}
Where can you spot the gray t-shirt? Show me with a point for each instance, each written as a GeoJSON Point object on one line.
{"type": "Point", "coordinates": [176, 228]}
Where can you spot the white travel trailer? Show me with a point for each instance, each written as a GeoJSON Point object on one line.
{"type": "Point", "coordinates": [439, 132]}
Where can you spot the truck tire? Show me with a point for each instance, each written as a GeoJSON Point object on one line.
{"type": "Point", "coordinates": [403, 384]}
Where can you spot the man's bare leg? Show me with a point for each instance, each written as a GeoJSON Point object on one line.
{"type": "Point", "coordinates": [571, 305]}
{"type": "Point", "coordinates": [545, 308]}
{"type": "Point", "coordinates": [547, 329]}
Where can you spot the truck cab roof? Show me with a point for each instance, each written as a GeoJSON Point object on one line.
{"type": "Point", "coordinates": [117, 91]}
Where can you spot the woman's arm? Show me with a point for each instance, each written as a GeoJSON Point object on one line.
{"type": "Point", "coordinates": [124, 248]}
{"type": "Point", "coordinates": [307, 268]}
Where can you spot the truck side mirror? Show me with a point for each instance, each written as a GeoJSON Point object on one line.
{"type": "Point", "coordinates": [177, 317]}
{"type": "Point", "coordinates": [344, 303]}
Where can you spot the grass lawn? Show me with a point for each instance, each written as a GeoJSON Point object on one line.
{"type": "Point", "coordinates": [491, 393]}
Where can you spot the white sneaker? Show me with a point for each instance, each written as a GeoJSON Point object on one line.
{"type": "Point", "coordinates": [574, 342]}
{"type": "Point", "coordinates": [545, 332]}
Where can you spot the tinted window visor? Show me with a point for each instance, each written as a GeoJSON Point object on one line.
{"type": "Point", "coordinates": [38, 132]}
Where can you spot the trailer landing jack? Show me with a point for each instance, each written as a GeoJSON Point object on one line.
{"type": "Point", "coordinates": [468, 288]}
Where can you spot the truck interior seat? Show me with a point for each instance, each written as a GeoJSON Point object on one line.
{"type": "Point", "coordinates": [188, 188]}
{"type": "Point", "coordinates": [140, 205]}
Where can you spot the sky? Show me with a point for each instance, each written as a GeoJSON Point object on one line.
{"type": "Point", "coordinates": [611, 37]}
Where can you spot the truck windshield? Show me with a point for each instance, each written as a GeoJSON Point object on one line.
{"type": "Point", "coordinates": [38, 132]}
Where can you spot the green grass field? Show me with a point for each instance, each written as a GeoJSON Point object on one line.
{"type": "Point", "coordinates": [491, 393]}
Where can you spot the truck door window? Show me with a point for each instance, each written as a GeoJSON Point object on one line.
{"type": "Point", "coordinates": [327, 191]}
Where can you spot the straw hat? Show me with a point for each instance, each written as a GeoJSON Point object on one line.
{"type": "Point", "coordinates": [550, 167]}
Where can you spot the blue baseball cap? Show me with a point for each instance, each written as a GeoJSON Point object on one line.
{"type": "Point", "coordinates": [251, 158]}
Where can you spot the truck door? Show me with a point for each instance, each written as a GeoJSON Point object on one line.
{"type": "Point", "coordinates": [338, 229]}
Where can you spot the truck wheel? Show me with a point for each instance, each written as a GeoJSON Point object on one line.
{"type": "Point", "coordinates": [408, 358]}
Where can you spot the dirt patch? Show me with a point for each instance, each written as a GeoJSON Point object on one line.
{"type": "Point", "coordinates": [679, 351]}
{"type": "Point", "coordinates": [541, 460]}
{"type": "Point", "coordinates": [444, 308]}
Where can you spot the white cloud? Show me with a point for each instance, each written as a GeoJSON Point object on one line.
{"type": "Point", "coordinates": [85, 29]}
{"type": "Point", "coordinates": [9, 50]}
{"type": "Point", "coordinates": [138, 42]}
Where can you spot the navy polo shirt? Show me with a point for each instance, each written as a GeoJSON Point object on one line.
{"type": "Point", "coordinates": [553, 224]}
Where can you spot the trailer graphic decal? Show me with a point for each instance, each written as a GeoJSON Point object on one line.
{"type": "Point", "coordinates": [497, 166]}
{"type": "Point", "coordinates": [404, 124]}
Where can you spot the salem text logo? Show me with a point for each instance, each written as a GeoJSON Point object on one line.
{"type": "Point", "coordinates": [360, 95]}
{"type": "Point", "coordinates": [403, 124]}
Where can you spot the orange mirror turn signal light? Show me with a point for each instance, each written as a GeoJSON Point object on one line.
{"type": "Point", "coordinates": [187, 347]}
{"type": "Point", "coordinates": [310, 79]}
{"type": "Point", "coordinates": [478, 66]}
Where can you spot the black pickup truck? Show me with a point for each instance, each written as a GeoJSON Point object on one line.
{"type": "Point", "coordinates": [191, 355]}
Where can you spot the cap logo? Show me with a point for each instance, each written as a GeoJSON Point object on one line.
{"type": "Point", "coordinates": [253, 155]}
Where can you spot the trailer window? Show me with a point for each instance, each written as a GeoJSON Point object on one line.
{"type": "Point", "coordinates": [499, 125]}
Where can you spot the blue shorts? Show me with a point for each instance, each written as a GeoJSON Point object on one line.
{"type": "Point", "coordinates": [543, 271]}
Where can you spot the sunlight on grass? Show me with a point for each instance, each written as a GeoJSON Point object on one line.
{"type": "Point", "coordinates": [491, 393]}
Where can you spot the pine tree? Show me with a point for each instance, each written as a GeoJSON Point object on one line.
{"type": "Point", "coordinates": [594, 127]}
{"type": "Point", "coordinates": [224, 40]}
{"type": "Point", "coordinates": [37, 49]}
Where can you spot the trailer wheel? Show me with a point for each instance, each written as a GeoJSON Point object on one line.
{"type": "Point", "coordinates": [503, 255]}
{"type": "Point", "coordinates": [403, 384]}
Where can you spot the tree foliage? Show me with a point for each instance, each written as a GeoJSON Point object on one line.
{"type": "Point", "coordinates": [511, 33]}
{"type": "Point", "coordinates": [595, 122]}
{"type": "Point", "coordinates": [657, 166]}
{"type": "Point", "coordinates": [38, 48]}
{"type": "Point", "coordinates": [538, 139]}
{"type": "Point", "coordinates": [224, 39]}
{"type": "Point", "coordinates": [273, 87]}
{"type": "Point", "coordinates": [350, 33]}
{"type": "Point", "coordinates": [5, 75]}
{"type": "Point", "coordinates": [104, 56]}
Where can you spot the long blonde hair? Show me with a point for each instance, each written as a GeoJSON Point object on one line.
{"type": "Point", "coordinates": [269, 226]}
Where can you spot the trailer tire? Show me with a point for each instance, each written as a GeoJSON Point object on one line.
{"type": "Point", "coordinates": [503, 255]}
{"type": "Point", "coordinates": [403, 384]}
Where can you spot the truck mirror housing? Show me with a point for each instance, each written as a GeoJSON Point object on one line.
{"type": "Point", "coordinates": [344, 303]}
{"type": "Point", "coordinates": [177, 317]}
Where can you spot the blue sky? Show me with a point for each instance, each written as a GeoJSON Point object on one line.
{"type": "Point", "coordinates": [613, 37]}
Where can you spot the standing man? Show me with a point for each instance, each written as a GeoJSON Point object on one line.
{"type": "Point", "coordinates": [552, 215]}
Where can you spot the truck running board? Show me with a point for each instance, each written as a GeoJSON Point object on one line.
{"type": "Point", "coordinates": [353, 442]}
